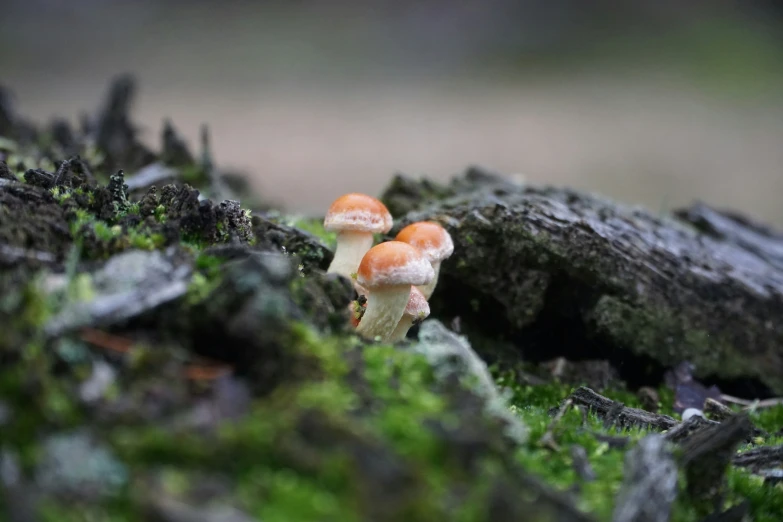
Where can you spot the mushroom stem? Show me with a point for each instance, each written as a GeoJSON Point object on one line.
{"type": "Point", "coordinates": [385, 307]}
{"type": "Point", "coordinates": [351, 247]}
{"type": "Point", "coordinates": [429, 288]}
{"type": "Point", "coordinates": [401, 330]}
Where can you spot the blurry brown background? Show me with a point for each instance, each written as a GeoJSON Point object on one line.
{"type": "Point", "coordinates": [655, 102]}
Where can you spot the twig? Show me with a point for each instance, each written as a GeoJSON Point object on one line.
{"type": "Point", "coordinates": [755, 403]}
{"type": "Point", "coordinates": [548, 438]}
{"type": "Point", "coordinates": [759, 458]}
{"type": "Point", "coordinates": [717, 410]}
{"type": "Point", "coordinates": [621, 415]}
{"type": "Point", "coordinates": [106, 340]}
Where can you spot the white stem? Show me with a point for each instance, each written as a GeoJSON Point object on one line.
{"type": "Point", "coordinates": [428, 289]}
{"type": "Point", "coordinates": [399, 333]}
{"type": "Point", "coordinates": [385, 307]}
{"type": "Point", "coordinates": [351, 247]}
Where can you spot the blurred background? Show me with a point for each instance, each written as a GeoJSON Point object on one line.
{"type": "Point", "coordinates": [654, 102]}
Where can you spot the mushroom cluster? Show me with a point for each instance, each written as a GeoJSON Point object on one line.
{"type": "Point", "coordinates": [394, 279]}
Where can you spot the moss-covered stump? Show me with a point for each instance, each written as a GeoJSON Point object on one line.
{"type": "Point", "coordinates": [556, 269]}
{"type": "Point", "coordinates": [174, 357]}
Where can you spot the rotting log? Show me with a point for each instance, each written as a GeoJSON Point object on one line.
{"type": "Point", "coordinates": [563, 272]}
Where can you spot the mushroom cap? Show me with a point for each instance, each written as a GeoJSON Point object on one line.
{"type": "Point", "coordinates": [359, 213]}
{"type": "Point", "coordinates": [429, 237]}
{"type": "Point", "coordinates": [417, 304]}
{"type": "Point", "coordinates": [394, 263]}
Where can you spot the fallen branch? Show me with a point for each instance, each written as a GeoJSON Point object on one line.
{"type": "Point", "coordinates": [619, 414]}
{"type": "Point", "coordinates": [760, 458]}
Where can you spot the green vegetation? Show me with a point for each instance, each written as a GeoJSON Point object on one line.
{"type": "Point", "coordinates": [331, 428]}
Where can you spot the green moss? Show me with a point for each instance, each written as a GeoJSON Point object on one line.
{"type": "Point", "coordinates": [532, 404]}
{"type": "Point", "coordinates": [160, 214]}
{"type": "Point", "coordinates": [766, 501]}
{"type": "Point", "coordinates": [288, 495]}
{"type": "Point", "coordinates": [60, 194]}
{"type": "Point", "coordinates": [649, 332]}
{"type": "Point", "coordinates": [115, 511]}
{"type": "Point", "coordinates": [315, 227]}
{"type": "Point", "coordinates": [769, 419]}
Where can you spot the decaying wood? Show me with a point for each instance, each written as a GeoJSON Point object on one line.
{"type": "Point", "coordinates": [760, 458]}
{"type": "Point", "coordinates": [649, 484]}
{"type": "Point", "coordinates": [717, 411]}
{"type": "Point", "coordinates": [706, 455]}
{"type": "Point", "coordinates": [687, 428]}
{"type": "Point", "coordinates": [700, 285]}
{"type": "Point", "coordinates": [621, 415]}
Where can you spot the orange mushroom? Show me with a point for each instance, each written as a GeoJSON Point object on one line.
{"type": "Point", "coordinates": [355, 218]}
{"type": "Point", "coordinates": [434, 242]}
{"type": "Point", "coordinates": [417, 309]}
{"type": "Point", "coordinates": [388, 271]}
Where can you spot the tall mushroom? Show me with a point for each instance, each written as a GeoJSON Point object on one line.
{"type": "Point", "coordinates": [387, 271]}
{"type": "Point", "coordinates": [355, 218]}
{"type": "Point", "coordinates": [434, 242]}
{"type": "Point", "coordinates": [417, 309]}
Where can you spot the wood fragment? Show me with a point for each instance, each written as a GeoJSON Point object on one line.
{"type": "Point", "coordinates": [106, 340]}
{"type": "Point", "coordinates": [755, 403]}
{"type": "Point", "coordinates": [623, 416]}
{"type": "Point", "coordinates": [650, 483]}
{"type": "Point", "coordinates": [716, 410]}
{"type": "Point", "coordinates": [760, 458]}
{"type": "Point", "coordinates": [685, 429]}
{"type": "Point", "coordinates": [706, 455]}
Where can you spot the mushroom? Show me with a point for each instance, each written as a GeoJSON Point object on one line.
{"type": "Point", "coordinates": [417, 309]}
{"type": "Point", "coordinates": [355, 218]}
{"type": "Point", "coordinates": [388, 271]}
{"type": "Point", "coordinates": [434, 242]}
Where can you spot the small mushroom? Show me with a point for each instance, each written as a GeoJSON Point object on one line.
{"type": "Point", "coordinates": [417, 310]}
{"type": "Point", "coordinates": [355, 218]}
{"type": "Point", "coordinates": [387, 271]}
{"type": "Point", "coordinates": [434, 242]}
